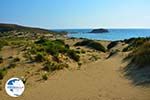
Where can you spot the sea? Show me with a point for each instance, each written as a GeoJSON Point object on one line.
{"type": "Point", "coordinates": [112, 35]}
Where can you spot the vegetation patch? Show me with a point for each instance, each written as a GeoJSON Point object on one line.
{"type": "Point", "coordinates": [138, 68]}
{"type": "Point", "coordinates": [91, 44]}
{"type": "Point", "coordinates": [54, 48]}
{"type": "Point", "coordinates": [45, 76]}
{"type": "Point", "coordinates": [14, 27]}
{"type": "Point", "coordinates": [112, 44]}
{"type": "Point", "coordinates": [134, 43]}
{"type": "Point", "coordinates": [3, 43]}
{"type": "Point", "coordinates": [53, 66]}
{"type": "Point", "coordinates": [73, 55]}
{"type": "Point", "coordinates": [2, 73]}
{"type": "Point", "coordinates": [39, 57]}
{"type": "Point", "coordinates": [94, 58]}
{"type": "Point", "coordinates": [141, 55]}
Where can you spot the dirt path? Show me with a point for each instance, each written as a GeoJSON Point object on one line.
{"type": "Point", "coordinates": [97, 81]}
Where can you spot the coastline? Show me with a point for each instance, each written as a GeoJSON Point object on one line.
{"type": "Point", "coordinates": [85, 69]}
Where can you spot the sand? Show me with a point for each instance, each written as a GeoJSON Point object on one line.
{"type": "Point", "coordinates": [100, 80]}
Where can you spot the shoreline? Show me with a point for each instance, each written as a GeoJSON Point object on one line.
{"type": "Point", "coordinates": [62, 68]}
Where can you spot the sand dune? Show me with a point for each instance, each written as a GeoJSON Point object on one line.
{"type": "Point", "coordinates": [101, 80]}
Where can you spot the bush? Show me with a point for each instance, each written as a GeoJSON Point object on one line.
{"type": "Point", "coordinates": [53, 66]}
{"type": "Point", "coordinates": [112, 44]}
{"type": "Point", "coordinates": [134, 43]}
{"type": "Point", "coordinates": [128, 48]}
{"type": "Point", "coordinates": [97, 46]}
{"type": "Point", "coordinates": [41, 41]}
{"type": "Point", "coordinates": [73, 55]}
{"type": "Point", "coordinates": [54, 48]}
{"type": "Point", "coordinates": [16, 59]}
{"type": "Point", "coordinates": [39, 57]}
{"type": "Point", "coordinates": [94, 58]}
{"type": "Point", "coordinates": [44, 77]}
{"type": "Point", "coordinates": [83, 43]}
{"type": "Point", "coordinates": [91, 44]}
{"type": "Point", "coordinates": [131, 40]}
{"type": "Point", "coordinates": [141, 56]}
{"type": "Point", "coordinates": [59, 41]}
{"type": "Point", "coordinates": [138, 69]}
{"type": "Point", "coordinates": [2, 73]}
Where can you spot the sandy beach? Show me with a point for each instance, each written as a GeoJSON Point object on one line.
{"type": "Point", "coordinates": [100, 80]}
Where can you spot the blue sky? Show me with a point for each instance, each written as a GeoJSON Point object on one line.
{"type": "Point", "coordinates": [58, 14]}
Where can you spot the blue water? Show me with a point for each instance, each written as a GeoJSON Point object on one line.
{"type": "Point", "coordinates": [112, 35]}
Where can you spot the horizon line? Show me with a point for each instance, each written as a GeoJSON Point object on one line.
{"type": "Point", "coordinates": [33, 26]}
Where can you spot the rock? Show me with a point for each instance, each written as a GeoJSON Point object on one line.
{"type": "Point", "coordinates": [99, 31]}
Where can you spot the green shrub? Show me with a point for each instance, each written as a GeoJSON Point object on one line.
{"type": "Point", "coordinates": [53, 66]}
{"type": "Point", "coordinates": [91, 44]}
{"type": "Point", "coordinates": [112, 44]}
{"type": "Point", "coordinates": [94, 58]}
{"type": "Point", "coordinates": [131, 40]}
{"type": "Point", "coordinates": [2, 73]}
{"type": "Point", "coordinates": [73, 55]}
{"type": "Point", "coordinates": [126, 49]}
{"type": "Point", "coordinates": [33, 50]}
{"type": "Point", "coordinates": [45, 77]}
{"type": "Point", "coordinates": [40, 41]}
{"type": "Point", "coordinates": [39, 57]}
{"type": "Point", "coordinates": [54, 48]}
{"type": "Point", "coordinates": [83, 43]}
{"type": "Point", "coordinates": [59, 41]}
{"type": "Point", "coordinates": [134, 43]}
{"type": "Point", "coordinates": [97, 46]}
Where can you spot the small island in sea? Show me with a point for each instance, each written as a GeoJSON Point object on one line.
{"type": "Point", "coordinates": [101, 30]}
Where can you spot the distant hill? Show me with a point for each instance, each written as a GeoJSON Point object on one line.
{"type": "Point", "coordinates": [14, 27]}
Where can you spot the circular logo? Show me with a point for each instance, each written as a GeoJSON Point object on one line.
{"type": "Point", "coordinates": [14, 87]}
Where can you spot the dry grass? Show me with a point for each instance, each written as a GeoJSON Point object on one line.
{"type": "Point", "coordinates": [141, 56]}
{"type": "Point", "coordinates": [138, 70]}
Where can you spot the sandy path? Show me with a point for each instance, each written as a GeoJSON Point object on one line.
{"type": "Point", "coordinates": [98, 81]}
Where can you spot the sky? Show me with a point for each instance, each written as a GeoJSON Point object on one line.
{"type": "Point", "coordinates": [71, 14]}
